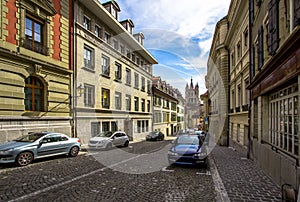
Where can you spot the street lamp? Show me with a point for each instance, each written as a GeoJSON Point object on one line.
{"type": "Point", "coordinates": [80, 90]}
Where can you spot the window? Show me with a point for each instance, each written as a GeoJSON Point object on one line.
{"type": "Point", "coordinates": [34, 94]}
{"type": "Point", "coordinates": [105, 126]}
{"type": "Point", "coordinates": [122, 49]}
{"type": "Point", "coordinates": [95, 128]}
{"type": "Point", "coordinates": [128, 76]}
{"type": "Point", "coordinates": [284, 119]}
{"type": "Point", "coordinates": [139, 125]}
{"type": "Point", "coordinates": [107, 38]}
{"type": "Point", "coordinates": [246, 39]}
{"type": "Point", "coordinates": [148, 86]}
{"type": "Point", "coordinates": [34, 35]}
{"type": "Point", "coordinates": [88, 57]}
{"type": "Point", "coordinates": [148, 105]}
{"type": "Point", "coordinates": [260, 48]}
{"type": "Point", "coordinates": [114, 126]}
{"type": "Point", "coordinates": [97, 31]}
{"type": "Point", "coordinates": [128, 102]}
{"type": "Point", "coordinates": [143, 84]}
{"type": "Point", "coordinates": [116, 45]}
{"type": "Point", "coordinates": [105, 66]}
{"type": "Point", "coordinates": [105, 98]}
{"type": "Point", "coordinates": [86, 23]}
{"type": "Point", "coordinates": [89, 95]}
{"type": "Point", "coordinates": [273, 27]}
{"type": "Point", "coordinates": [296, 13]}
{"type": "Point", "coordinates": [239, 50]}
{"type": "Point", "coordinates": [118, 100]}
{"type": "Point", "coordinates": [239, 96]}
{"type": "Point", "coordinates": [136, 80]}
{"type": "Point", "coordinates": [143, 105]}
{"type": "Point", "coordinates": [118, 71]}
{"type": "Point", "coordinates": [136, 103]}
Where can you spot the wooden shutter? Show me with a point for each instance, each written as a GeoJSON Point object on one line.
{"type": "Point", "coordinates": [296, 13]}
{"type": "Point", "coordinates": [273, 27]}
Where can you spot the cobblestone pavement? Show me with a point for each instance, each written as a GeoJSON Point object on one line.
{"type": "Point", "coordinates": [89, 178]}
{"type": "Point", "coordinates": [242, 179]}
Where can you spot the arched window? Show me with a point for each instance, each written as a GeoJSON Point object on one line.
{"type": "Point", "coordinates": [34, 94]}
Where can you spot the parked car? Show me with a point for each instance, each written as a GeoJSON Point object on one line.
{"type": "Point", "coordinates": [27, 148]}
{"type": "Point", "coordinates": [155, 135]}
{"type": "Point", "coordinates": [188, 149]}
{"type": "Point", "coordinates": [108, 139]}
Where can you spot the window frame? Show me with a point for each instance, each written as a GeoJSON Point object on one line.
{"type": "Point", "coordinates": [89, 95]}
{"type": "Point", "coordinates": [33, 88]}
{"type": "Point", "coordinates": [105, 101]}
{"type": "Point", "coordinates": [105, 67]}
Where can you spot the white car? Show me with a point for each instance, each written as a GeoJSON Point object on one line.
{"type": "Point", "coordinates": [108, 139]}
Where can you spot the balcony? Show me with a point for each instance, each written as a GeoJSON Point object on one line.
{"type": "Point", "coordinates": [238, 109]}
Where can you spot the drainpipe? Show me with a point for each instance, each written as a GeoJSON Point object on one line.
{"type": "Point", "coordinates": [250, 76]}
{"type": "Point", "coordinates": [74, 97]}
{"type": "Point", "coordinates": [228, 97]}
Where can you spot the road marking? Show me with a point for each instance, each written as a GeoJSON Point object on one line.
{"type": "Point", "coordinates": [72, 180]}
{"type": "Point", "coordinates": [208, 173]}
{"type": "Point", "coordinates": [219, 186]}
{"type": "Point", "coordinates": [166, 170]}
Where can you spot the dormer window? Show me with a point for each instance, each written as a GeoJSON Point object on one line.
{"type": "Point", "coordinates": [128, 25]}
{"type": "Point", "coordinates": [113, 8]}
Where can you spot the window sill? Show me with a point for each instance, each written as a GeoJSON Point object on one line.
{"type": "Point", "coordinates": [118, 80]}
{"type": "Point", "coordinates": [88, 69]}
{"type": "Point", "coordinates": [106, 76]}
{"type": "Point", "coordinates": [128, 84]}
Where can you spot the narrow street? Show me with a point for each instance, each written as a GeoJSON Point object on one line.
{"type": "Point", "coordinates": [137, 173]}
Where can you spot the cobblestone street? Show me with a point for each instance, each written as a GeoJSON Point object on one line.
{"type": "Point", "coordinates": [136, 178]}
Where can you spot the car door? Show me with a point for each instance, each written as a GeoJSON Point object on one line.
{"type": "Point", "coordinates": [117, 139]}
{"type": "Point", "coordinates": [50, 145]}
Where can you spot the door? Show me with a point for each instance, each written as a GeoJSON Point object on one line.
{"type": "Point", "coordinates": [50, 145]}
{"type": "Point", "coordinates": [128, 128]}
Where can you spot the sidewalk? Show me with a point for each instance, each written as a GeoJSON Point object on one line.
{"type": "Point", "coordinates": [242, 179]}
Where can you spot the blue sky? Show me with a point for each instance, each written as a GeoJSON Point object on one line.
{"type": "Point", "coordinates": [178, 34]}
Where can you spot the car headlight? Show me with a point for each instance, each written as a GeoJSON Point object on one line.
{"type": "Point", "coordinates": [6, 151]}
{"type": "Point", "coordinates": [172, 153]}
{"type": "Point", "coordinates": [200, 154]}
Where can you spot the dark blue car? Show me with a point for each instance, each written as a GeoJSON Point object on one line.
{"type": "Point", "coordinates": [188, 149]}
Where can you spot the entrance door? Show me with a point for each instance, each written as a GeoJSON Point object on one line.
{"type": "Point", "coordinates": [128, 129]}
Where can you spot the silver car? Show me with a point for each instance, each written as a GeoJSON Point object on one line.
{"type": "Point", "coordinates": [25, 149]}
{"type": "Point", "coordinates": [108, 139]}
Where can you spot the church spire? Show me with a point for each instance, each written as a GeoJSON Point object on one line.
{"type": "Point", "coordinates": [191, 86]}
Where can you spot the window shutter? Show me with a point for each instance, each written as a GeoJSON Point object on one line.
{"type": "Point", "coordinates": [296, 13]}
{"type": "Point", "coordinates": [273, 27]}
{"type": "Point", "coordinates": [260, 48]}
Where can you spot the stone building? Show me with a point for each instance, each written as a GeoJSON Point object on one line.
{"type": "Point", "coordinates": [113, 73]}
{"type": "Point", "coordinates": [274, 84]}
{"type": "Point", "coordinates": [35, 67]}
{"type": "Point", "coordinates": [192, 106]}
{"type": "Point", "coordinates": [180, 110]}
{"type": "Point", "coordinates": [217, 81]}
{"type": "Point", "coordinates": [164, 107]}
{"type": "Point", "coordinates": [237, 42]}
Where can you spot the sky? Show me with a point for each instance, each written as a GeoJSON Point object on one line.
{"type": "Point", "coordinates": [178, 34]}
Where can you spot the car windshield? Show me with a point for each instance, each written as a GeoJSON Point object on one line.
{"type": "Point", "coordinates": [30, 137]}
{"type": "Point", "coordinates": [153, 133]}
{"type": "Point", "coordinates": [104, 134]}
{"type": "Point", "coordinates": [188, 140]}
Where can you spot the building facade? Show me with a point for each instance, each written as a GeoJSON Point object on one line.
{"type": "Point", "coordinates": [164, 107]}
{"type": "Point", "coordinates": [192, 108]}
{"type": "Point", "coordinates": [180, 111]}
{"type": "Point", "coordinates": [274, 85]}
{"type": "Point", "coordinates": [237, 42]}
{"type": "Point", "coordinates": [113, 73]}
{"type": "Point", "coordinates": [35, 71]}
{"type": "Point", "coordinates": [217, 81]}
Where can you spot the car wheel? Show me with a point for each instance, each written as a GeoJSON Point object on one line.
{"type": "Point", "coordinates": [108, 146]}
{"type": "Point", "coordinates": [126, 144]}
{"type": "Point", "coordinates": [74, 151]}
{"type": "Point", "coordinates": [24, 158]}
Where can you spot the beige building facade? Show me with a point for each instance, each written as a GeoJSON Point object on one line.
{"type": "Point", "coordinates": [237, 42]}
{"type": "Point", "coordinates": [164, 107]}
{"type": "Point", "coordinates": [35, 71]}
{"type": "Point", "coordinates": [217, 81]}
{"type": "Point", "coordinates": [113, 74]}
